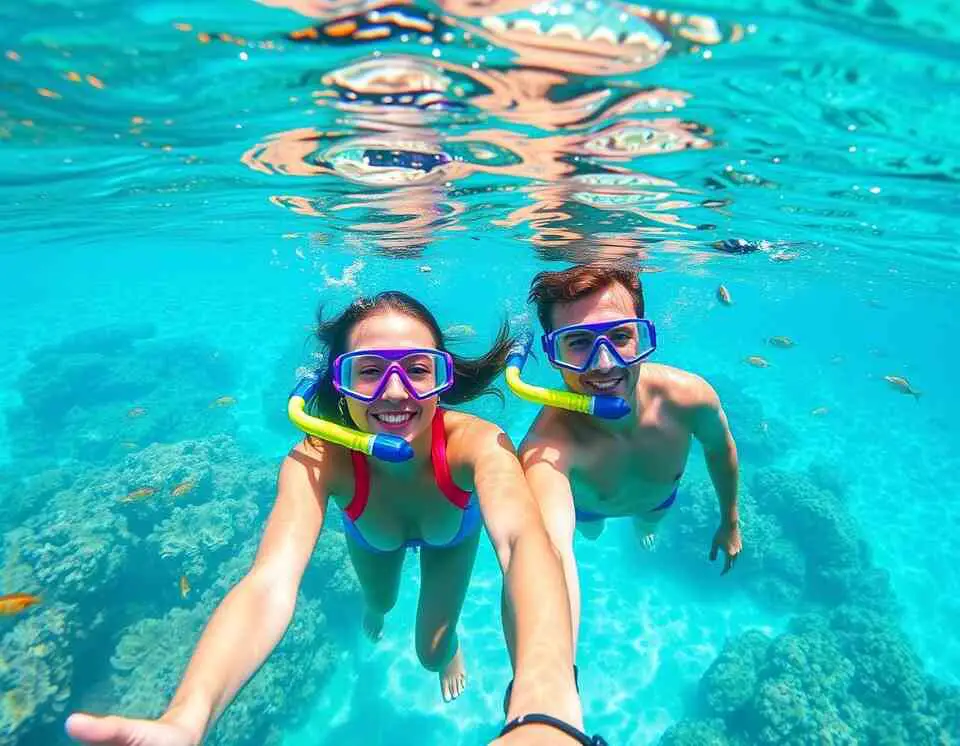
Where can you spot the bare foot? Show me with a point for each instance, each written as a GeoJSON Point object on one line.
{"type": "Point", "coordinates": [373, 625]}
{"type": "Point", "coordinates": [590, 529]}
{"type": "Point", "coordinates": [453, 678]}
{"type": "Point", "coordinates": [646, 534]}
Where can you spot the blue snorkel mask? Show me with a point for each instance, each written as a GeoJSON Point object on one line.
{"type": "Point", "coordinates": [578, 348]}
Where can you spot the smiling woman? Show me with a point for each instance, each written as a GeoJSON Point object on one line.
{"type": "Point", "coordinates": [387, 372]}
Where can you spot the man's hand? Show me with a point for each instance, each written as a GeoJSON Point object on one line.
{"type": "Point", "coordinates": [728, 539]}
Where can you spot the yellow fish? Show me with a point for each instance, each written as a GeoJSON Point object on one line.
{"type": "Point", "coordinates": [183, 488]}
{"type": "Point", "coordinates": [758, 362]}
{"type": "Point", "coordinates": [138, 494]}
{"type": "Point", "coordinates": [184, 586]}
{"type": "Point", "coordinates": [903, 386]}
{"type": "Point", "coordinates": [136, 412]}
{"type": "Point", "coordinates": [14, 603]}
{"type": "Point", "coordinates": [782, 342]}
{"type": "Point", "coordinates": [723, 295]}
{"type": "Point", "coordinates": [223, 401]}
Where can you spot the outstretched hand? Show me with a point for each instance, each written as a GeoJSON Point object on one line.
{"type": "Point", "coordinates": [728, 539]}
{"type": "Point", "coordinates": [120, 731]}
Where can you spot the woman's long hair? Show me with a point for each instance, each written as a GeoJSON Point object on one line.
{"type": "Point", "coordinates": [472, 377]}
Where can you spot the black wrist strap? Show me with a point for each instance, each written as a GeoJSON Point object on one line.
{"type": "Point", "coordinates": [536, 718]}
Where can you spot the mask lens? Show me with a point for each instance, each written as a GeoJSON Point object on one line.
{"type": "Point", "coordinates": [575, 346]}
{"type": "Point", "coordinates": [630, 340]}
{"type": "Point", "coordinates": [362, 374]}
{"type": "Point", "coordinates": [426, 372]}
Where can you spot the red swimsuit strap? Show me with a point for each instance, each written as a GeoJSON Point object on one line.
{"type": "Point", "coordinates": [361, 486]}
{"type": "Point", "coordinates": [441, 473]}
{"type": "Point", "coordinates": [441, 469]}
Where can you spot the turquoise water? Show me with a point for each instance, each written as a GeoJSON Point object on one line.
{"type": "Point", "coordinates": [171, 224]}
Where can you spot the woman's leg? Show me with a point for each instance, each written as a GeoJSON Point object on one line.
{"type": "Point", "coordinates": [379, 575]}
{"type": "Point", "coordinates": [444, 578]}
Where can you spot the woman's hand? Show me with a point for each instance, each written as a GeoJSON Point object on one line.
{"type": "Point", "coordinates": [120, 731]}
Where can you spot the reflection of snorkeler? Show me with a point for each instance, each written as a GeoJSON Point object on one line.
{"type": "Point", "coordinates": [416, 163]}
{"type": "Point", "coordinates": [585, 37]}
{"type": "Point", "coordinates": [583, 469]}
{"type": "Point", "coordinates": [388, 372]}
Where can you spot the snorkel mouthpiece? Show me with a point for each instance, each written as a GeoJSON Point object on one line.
{"type": "Point", "coordinates": [606, 407]}
{"type": "Point", "coordinates": [383, 446]}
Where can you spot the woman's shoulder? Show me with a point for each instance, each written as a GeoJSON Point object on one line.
{"type": "Point", "coordinates": [325, 462]}
{"type": "Point", "coordinates": [469, 431]}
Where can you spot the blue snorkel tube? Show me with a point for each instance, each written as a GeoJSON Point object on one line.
{"type": "Point", "coordinates": [606, 407]}
{"type": "Point", "coordinates": [383, 446]}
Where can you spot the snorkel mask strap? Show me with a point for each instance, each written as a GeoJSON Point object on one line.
{"type": "Point", "coordinates": [379, 445]}
{"type": "Point", "coordinates": [606, 407]}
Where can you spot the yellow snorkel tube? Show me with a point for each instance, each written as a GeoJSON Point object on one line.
{"type": "Point", "coordinates": [379, 445]}
{"type": "Point", "coordinates": [607, 407]}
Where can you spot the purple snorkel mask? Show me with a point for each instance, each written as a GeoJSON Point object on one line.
{"type": "Point", "coordinates": [577, 347]}
{"type": "Point", "coordinates": [364, 374]}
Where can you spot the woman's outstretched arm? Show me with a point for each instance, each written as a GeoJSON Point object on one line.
{"type": "Point", "coordinates": [537, 613]}
{"type": "Point", "coordinates": [244, 628]}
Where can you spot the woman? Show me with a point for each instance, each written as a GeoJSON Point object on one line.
{"type": "Point", "coordinates": [388, 370]}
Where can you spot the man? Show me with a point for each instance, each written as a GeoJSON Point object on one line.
{"type": "Point", "coordinates": [583, 469]}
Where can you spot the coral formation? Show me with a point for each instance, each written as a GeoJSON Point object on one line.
{"type": "Point", "coordinates": [761, 439]}
{"type": "Point", "coordinates": [35, 671]}
{"type": "Point", "coordinates": [846, 677]}
{"type": "Point", "coordinates": [152, 654]}
{"type": "Point", "coordinates": [105, 391]}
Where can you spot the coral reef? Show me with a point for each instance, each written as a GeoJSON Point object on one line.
{"type": "Point", "coordinates": [36, 668]}
{"type": "Point", "coordinates": [782, 565]}
{"type": "Point", "coordinates": [761, 439]}
{"type": "Point", "coordinates": [105, 546]}
{"type": "Point", "coordinates": [152, 654]}
{"type": "Point", "coordinates": [199, 537]}
{"type": "Point", "coordinates": [104, 392]}
{"type": "Point", "coordinates": [847, 677]}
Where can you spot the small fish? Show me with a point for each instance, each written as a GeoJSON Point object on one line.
{"type": "Point", "coordinates": [14, 603]}
{"type": "Point", "coordinates": [783, 342]}
{"type": "Point", "coordinates": [136, 412]}
{"type": "Point", "coordinates": [723, 295]}
{"type": "Point", "coordinates": [129, 445]}
{"type": "Point", "coordinates": [183, 488]}
{"type": "Point", "coordinates": [757, 362]}
{"type": "Point", "coordinates": [138, 494]}
{"type": "Point", "coordinates": [903, 386]}
{"type": "Point", "coordinates": [820, 411]}
{"type": "Point", "coordinates": [783, 256]}
{"type": "Point", "coordinates": [184, 586]}
{"type": "Point", "coordinates": [223, 401]}
{"type": "Point", "coordinates": [460, 330]}
{"type": "Point", "coordinates": [425, 268]}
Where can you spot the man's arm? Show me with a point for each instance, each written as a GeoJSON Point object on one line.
{"type": "Point", "coordinates": [711, 429]}
{"type": "Point", "coordinates": [534, 581]}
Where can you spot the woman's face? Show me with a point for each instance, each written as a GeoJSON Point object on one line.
{"type": "Point", "coordinates": [396, 412]}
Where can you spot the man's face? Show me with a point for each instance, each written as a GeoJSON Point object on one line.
{"type": "Point", "coordinates": [605, 376]}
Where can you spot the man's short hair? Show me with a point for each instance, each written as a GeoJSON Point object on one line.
{"type": "Point", "coordinates": [565, 286]}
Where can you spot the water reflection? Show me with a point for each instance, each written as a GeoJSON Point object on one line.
{"type": "Point", "coordinates": [467, 94]}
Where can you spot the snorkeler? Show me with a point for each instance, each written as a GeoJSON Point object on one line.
{"type": "Point", "coordinates": [387, 372]}
{"type": "Point", "coordinates": [585, 469]}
